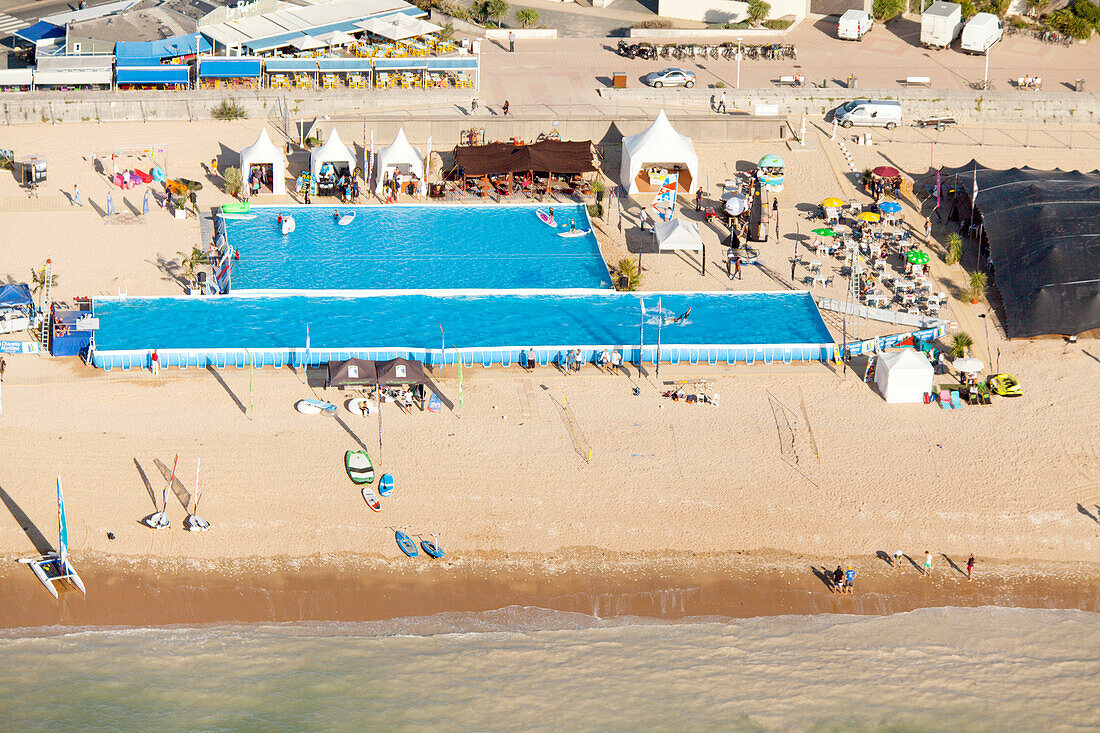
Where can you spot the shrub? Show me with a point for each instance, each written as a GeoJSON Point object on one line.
{"type": "Point", "coordinates": [758, 11]}
{"type": "Point", "coordinates": [968, 9]}
{"type": "Point", "coordinates": [1077, 27]}
{"type": "Point", "coordinates": [887, 9]}
{"type": "Point", "coordinates": [960, 344]}
{"type": "Point", "coordinates": [628, 268]}
{"type": "Point", "coordinates": [233, 181]}
{"type": "Point", "coordinates": [486, 10]}
{"type": "Point", "coordinates": [1017, 22]}
{"type": "Point", "coordinates": [778, 24]}
{"type": "Point", "coordinates": [1088, 11]}
{"type": "Point", "coordinates": [719, 85]}
{"type": "Point", "coordinates": [1000, 7]}
{"type": "Point", "coordinates": [595, 211]}
{"type": "Point", "coordinates": [655, 23]}
{"type": "Point", "coordinates": [527, 17]}
{"type": "Point", "coordinates": [228, 110]}
{"type": "Point", "coordinates": [978, 280]}
{"type": "Point", "coordinates": [954, 248]}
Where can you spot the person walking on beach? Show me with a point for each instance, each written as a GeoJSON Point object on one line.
{"type": "Point", "coordinates": [3, 366]}
{"type": "Point", "coordinates": [737, 267]}
{"type": "Point", "coordinates": [927, 230]}
{"type": "Point", "coordinates": [699, 198]}
{"type": "Point", "coordinates": [75, 199]}
{"type": "Point", "coordinates": [970, 567]}
{"type": "Point", "coordinates": [154, 363]}
{"type": "Point", "coordinates": [849, 580]}
{"type": "Point", "coordinates": [927, 563]}
{"type": "Point", "coordinates": [616, 361]}
{"type": "Point", "coordinates": [214, 166]}
{"type": "Point", "coordinates": [505, 107]}
{"type": "Point", "coordinates": [897, 559]}
{"type": "Point", "coordinates": [511, 41]}
{"type": "Point", "coordinates": [721, 108]}
{"type": "Point", "coordinates": [838, 580]}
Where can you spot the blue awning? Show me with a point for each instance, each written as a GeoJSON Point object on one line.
{"type": "Point", "coordinates": [283, 66]}
{"type": "Point", "coordinates": [400, 64]}
{"type": "Point", "coordinates": [40, 31]}
{"type": "Point", "coordinates": [160, 74]}
{"type": "Point", "coordinates": [230, 68]}
{"type": "Point", "coordinates": [166, 48]}
{"type": "Point", "coordinates": [344, 64]}
{"type": "Point", "coordinates": [285, 39]}
{"type": "Point", "coordinates": [451, 64]}
{"type": "Point", "coordinates": [16, 295]}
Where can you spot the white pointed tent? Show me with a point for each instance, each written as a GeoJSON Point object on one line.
{"type": "Point", "coordinates": [398, 157]}
{"type": "Point", "coordinates": [263, 152]}
{"type": "Point", "coordinates": [904, 376]}
{"type": "Point", "coordinates": [679, 234]}
{"type": "Point", "coordinates": [333, 151]}
{"type": "Point", "coordinates": [659, 146]}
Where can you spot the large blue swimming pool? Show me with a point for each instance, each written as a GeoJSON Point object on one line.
{"type": "Point", "coordinates": [404, 324]}
{"type": "Point", "coordinates": [415, 248]}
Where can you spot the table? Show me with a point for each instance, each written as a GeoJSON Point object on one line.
{"type": "Point", "coordinates": [877, 299]}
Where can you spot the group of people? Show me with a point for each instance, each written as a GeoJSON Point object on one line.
{"type": "Point", "coordinates": [609, 360]}
{"type": "Point", "coordinates": [843, 581]}
{"type": "Point", "coordinates": [884, 187]}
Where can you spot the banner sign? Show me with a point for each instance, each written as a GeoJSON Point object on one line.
{"type": "Point", "coordinates": [18, 347]}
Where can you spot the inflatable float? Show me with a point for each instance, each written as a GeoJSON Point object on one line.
{"type": "Point", "coordinates": [236, 207]}
{"type": "Point", "coordinates": [158, 174]}
{"type": "Point", "coordinates": [288, 225]}
{"type": "Point", "coordinates": [1005, 385]}
{"type": "Point", "coordinates": [145, 177]}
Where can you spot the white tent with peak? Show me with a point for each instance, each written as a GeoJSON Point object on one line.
{"type": "Point", "coordinates": [657, 149]}
{"type": "Point", "coordinates": [399, 157]}
{"type": "Point", "coordinates": [904, 376]}
{"type": "Point", "coordinates": [333, 152]}
{"type": "Point", "coordinates": [264, 153]}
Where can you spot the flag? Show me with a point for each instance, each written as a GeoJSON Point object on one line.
{"type": "Point", "coordinates": [974, 194]}
{"type": "Point", "coordinates": [110, 205]}
{"type": "Point", "coordinates": [62, 527]}
{"type": "Point", "coordinates": [145, 203]}
{"type": "Point", "coordinates": [642, 304]}
{"type": "Point", "coordinates": [459, 353]}
{"type": "Point", "coordinates": [370, 161]}
{"type": "Point", "coordinates": [939, 184]}
{"type": "Point", "coordinates": [442, 344]}
{"type": "Point", "coordinates": [423, 187]}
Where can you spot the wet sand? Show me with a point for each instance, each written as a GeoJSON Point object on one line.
{"type": "Point", "coordinates": [156, 593]}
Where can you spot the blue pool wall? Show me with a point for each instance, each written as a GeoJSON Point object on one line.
{"type": "Point", "coordinates": [497, 356]}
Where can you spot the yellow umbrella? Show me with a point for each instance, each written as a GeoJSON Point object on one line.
{"type": "Point", "coordinates": [832, 203]}
{"type": "Point", "coordinates": [869, 216]}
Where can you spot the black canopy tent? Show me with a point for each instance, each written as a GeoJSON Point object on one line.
{"type": "Point", "coordinates": [351, 373]}
{"type": "Point", "coordinates": [1043, 240]}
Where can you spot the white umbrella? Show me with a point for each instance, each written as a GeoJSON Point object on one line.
{"type": "Point", "coordinates": [968, 365]}
{"type": "Point", "coordinates": [736, 204]}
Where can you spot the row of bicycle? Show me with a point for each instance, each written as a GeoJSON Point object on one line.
{"type": "Point", "coordinates": [765, 51]}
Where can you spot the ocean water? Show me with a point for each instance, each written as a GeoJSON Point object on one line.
{"type": "Point", "coordinates": [415, 248]}
{"type": "Point", "coordinates": [518, 669]}
{"type": "Point", "coordinates": [414, 321]}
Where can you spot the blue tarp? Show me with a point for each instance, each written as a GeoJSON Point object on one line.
{"type": "Point", "coordinates": [343, 64]}
{"type": "Point", "coordinates": [400, 64]}
{"type": "Point", "coordinates": [17, 296]}
{"type": "Point", "coordinates": [166, 48]}
{"type": "Point", "coordinates": [159, 74]}
{"type": "Point", "coordinates": [40, 31]}
{"type": "Point", "coordinates": [230, 68]}
{"type": "Point", "coordinates": [451, 64]}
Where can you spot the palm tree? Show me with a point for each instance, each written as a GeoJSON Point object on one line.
{"type": "Point", "coordinates": [954, 248]}
{"type": "Point", "coordinates": [38, 279]}
{"type": "Point", "coordinates": [978, 280]}
{"type": "Point", "coordinates": [191, 262]}
{"type": "Point", "coordinates": [527, 17]}
{"type": "Point", "coordinates": [758, 11]}
{"type": "Point", "coordinates": [496, 9]}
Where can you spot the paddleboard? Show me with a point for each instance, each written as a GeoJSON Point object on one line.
{"type": "Point", "coordinates": [360, 406]}
{"type": "Point", "coordinates": [238, 217]}
{"type": "Point", "coordinates": [314, 407]}
{"type": "Point", "coordinates": [406, 544]}
{"type": "Point", "coordinates": [360, 469]}
{"type": "Point", "coordinates": [574, 233]}
{"type": "Point", "coordinates": [346, 219]}
{"type": "Point", "coordinates": [431, 549]}
{"type": "Point", "coordinates": [385, 485]}
{"type": "Point", "coordinates": [371, 499]}
{"type": "Point", "coordinates": [546, 217]}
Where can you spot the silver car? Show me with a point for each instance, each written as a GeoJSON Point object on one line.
{"type": "Point", "coordinates": [671, 77]}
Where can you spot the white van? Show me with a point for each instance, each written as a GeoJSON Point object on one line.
{"type": "Point", "coordinates": [869, 113]}
{"type": "Point", "coordinates": [853, 25]}
{"type": "Point", "coordinates": [981, 32]}
{"type": "Point", "coordinates": [940, 24]}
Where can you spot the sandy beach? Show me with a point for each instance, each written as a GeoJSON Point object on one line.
{"type": "Point", "coordinates": [799, 466]}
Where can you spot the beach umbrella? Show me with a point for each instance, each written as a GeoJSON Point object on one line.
{"type": "Point", "coordinates": [917, 257]}
{"type": "Point", "coordinates": [771, 161]}
{"type": "Point", "coordinates": [890, 207]}
{"type": "Point", "coordinates": [736, 204]}
{"type": "Point", "coordinates": [832, 203]}
{"type": "Point", "coordinates": [869, 216]}
{"type": "Point", "coordinates": [968, 365]}
{"type": "Point", "coordinates": [110, 205]}
{"type": "Point", "coordinates": [886, 171]}
{"type": "Point", "coordinates": [824, 232]}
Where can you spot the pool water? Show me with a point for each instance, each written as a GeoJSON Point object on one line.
{"type": "Point", "coordinates": [414, 321]}
{"type": "Point", "coordinates": [415, 248]}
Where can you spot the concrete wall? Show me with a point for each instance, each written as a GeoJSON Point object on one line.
{"type": "Point", "coordinates": [706, 34]}
{"type": "Point", "coordinates": [461, 27]}
{"type": "Point", "coordinates": [727, 11]}
{"type": "Point", "coordinates": [501, 34]}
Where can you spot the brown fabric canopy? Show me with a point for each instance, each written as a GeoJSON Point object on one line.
{"type": "Point", "coordinates": [351, 373]}
{"type": "Point", "coordinates": [556, 156]}
{"type": "Point", "coordinates": [400, 371]}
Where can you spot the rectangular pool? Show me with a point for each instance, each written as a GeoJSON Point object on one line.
{"type": "Point", "coordinates": [220, 331]}
{"type": "Point", "coordinates": [415, 247]}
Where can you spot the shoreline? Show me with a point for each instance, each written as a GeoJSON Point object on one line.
{"type": "Point", "coordinates": [124, 593]}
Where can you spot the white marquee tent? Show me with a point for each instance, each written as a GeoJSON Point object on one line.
{"type": "Point", "coordinates": [333, 151]}
{"type": "Point", "coordinates": [262, 153]}
{"type": "Point", "coordinates": [904, 376]}
{"type": "Point", "coordinates": [398, 157]}
{"type": "Point", "coordinates": [658, 146]}
{"type": "Point", "coordinates": [678, 234]}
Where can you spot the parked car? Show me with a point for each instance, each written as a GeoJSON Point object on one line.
{"type": "Point", "coordinates": [670, 77]}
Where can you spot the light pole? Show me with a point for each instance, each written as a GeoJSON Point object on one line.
{"type": "Point", "coordinates": [738, 63]}
{"type": "Point", "coordinates": [985, 82]}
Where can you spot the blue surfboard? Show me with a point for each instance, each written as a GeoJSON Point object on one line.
{"type": "Point", "coordinates": [431, 549]}
{"type": "Point", "coordinates": [385, 486]}
{"type": "Point", "coordinates": [406, 544]}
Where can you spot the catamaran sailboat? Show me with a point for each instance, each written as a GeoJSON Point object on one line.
{"type": "Point", "coordinates": [53, 568]}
